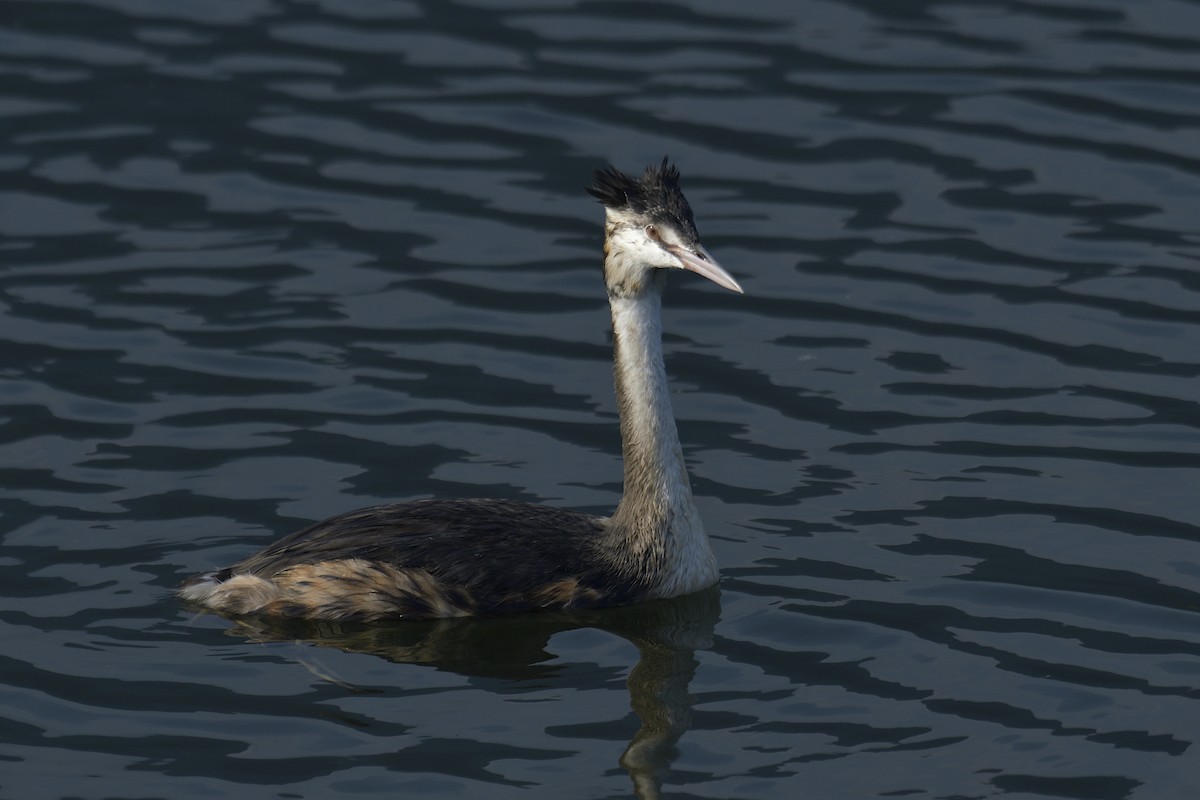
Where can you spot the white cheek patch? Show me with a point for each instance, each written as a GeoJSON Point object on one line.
{"type": "Point", "coordinates": [670, 236]}
{"type": "Point", "coordinates": [620, 217]}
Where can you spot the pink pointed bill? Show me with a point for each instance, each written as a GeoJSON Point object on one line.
{"type": "Point", "coordinates": [701, 263]}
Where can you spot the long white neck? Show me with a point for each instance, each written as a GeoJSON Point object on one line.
{"type": "Point", "coordinates": [656, 524]}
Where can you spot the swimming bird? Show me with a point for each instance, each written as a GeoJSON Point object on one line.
{"type": "Point", "coordinates": [450, 558]}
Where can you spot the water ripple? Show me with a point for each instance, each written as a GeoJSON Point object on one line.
{"type": "Point", "coordinates": [267, 261]}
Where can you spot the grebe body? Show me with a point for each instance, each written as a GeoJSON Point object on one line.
{"type": "Point", "coordinates": [448, 558]}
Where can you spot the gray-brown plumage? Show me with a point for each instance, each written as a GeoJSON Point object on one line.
{"type": "Point", "coordinates": [444, 558]}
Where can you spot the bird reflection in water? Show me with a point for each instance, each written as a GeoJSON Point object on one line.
{"type": "Point", "coordinates": [666, 633]}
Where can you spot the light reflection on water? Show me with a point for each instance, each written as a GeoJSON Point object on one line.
{"type": "Point", "coordinates": [263, 262]}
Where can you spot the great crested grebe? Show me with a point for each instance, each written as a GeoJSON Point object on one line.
{"type": "Point", "coordinates": [451, 558]}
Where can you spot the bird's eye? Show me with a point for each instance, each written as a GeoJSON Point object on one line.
{"type": "Point", "coordinates": [652, 232]}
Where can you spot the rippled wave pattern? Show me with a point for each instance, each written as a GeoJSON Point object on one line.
{"type": "Point", "coordinates": [262, 261]}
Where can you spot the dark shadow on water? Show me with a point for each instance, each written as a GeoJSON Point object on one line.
{"type": "Point", "coordinates": [667, 634]}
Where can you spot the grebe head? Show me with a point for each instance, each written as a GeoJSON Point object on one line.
{"type": "Point", "coordinates": [649, 227]}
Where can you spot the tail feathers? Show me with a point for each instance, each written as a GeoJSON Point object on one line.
{"type": "Point", "coordinates": [347, 589]}
{"type": "Point", "coordinates": [235, 594]}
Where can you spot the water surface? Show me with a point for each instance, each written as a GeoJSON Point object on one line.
{"type": "Point", "coordinates": [264, 261]}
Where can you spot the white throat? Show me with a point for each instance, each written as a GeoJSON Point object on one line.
{"type": "Point", "coordinates": [657, 516]}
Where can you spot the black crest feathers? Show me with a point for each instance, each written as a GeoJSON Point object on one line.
{"type": "Point", "coordinates": [654, 193]}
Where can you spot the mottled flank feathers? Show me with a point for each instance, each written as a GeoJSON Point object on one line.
{"type": "Point", "coordinates": [425, 559]}
{"type": "Point", "coordinates": [349, 589]}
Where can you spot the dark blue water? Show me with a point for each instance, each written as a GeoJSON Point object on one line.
{"type": "Point", "coordinates": [262, 261]}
